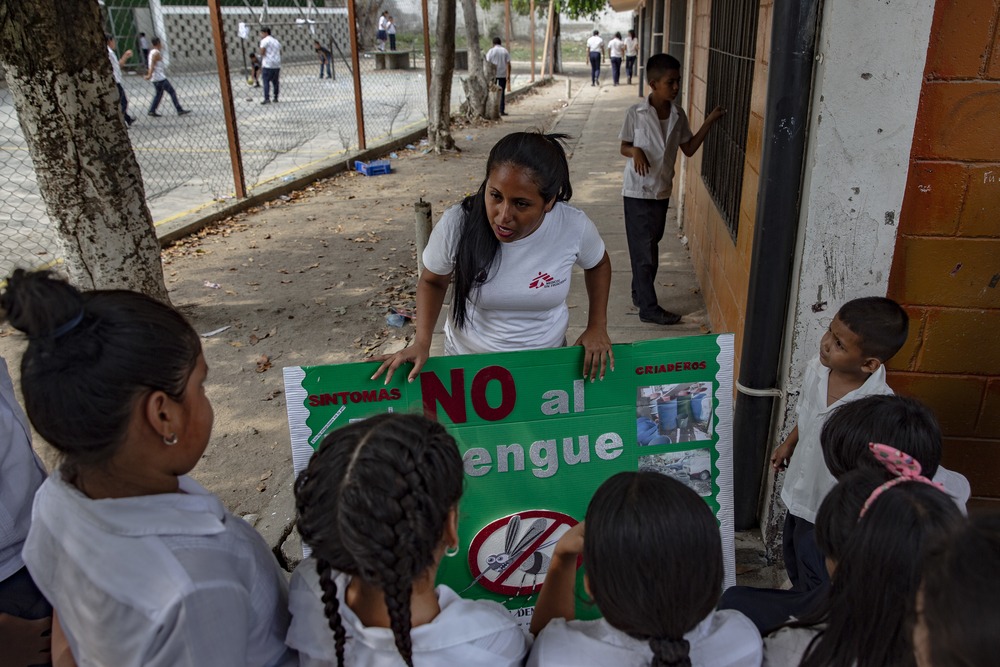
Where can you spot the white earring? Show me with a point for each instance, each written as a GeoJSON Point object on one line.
{"type": "Point", "coordinates": [170, 440]}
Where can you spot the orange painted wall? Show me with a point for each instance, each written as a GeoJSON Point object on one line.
{"type": "Point", "coordinates": [946, 266]}
{"type": "Point", "coordinates": [721, 263]}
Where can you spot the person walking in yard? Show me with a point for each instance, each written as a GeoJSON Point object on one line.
{"type": "Point", "coordinates": [500, 57]}
{"type": "Point", "coordinates": [325, 59]}
{"type": "Point", "coordinates": [156, 71]}
{"type": "Point", "coordinates": [144, 47]}
{"type": "Point", "coordinates": [270, 62]}
{"type": "Point", "coordinates": [616, 49]}
{"type": "Point", "coordinates": [595, 51]}
{"type": "Point", "coordinates": [390, 30]}
{"type": "Point", "coordinates": [116, 70]}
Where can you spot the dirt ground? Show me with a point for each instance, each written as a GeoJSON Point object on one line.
{"type": "Point", "coordinates": [307, 279]}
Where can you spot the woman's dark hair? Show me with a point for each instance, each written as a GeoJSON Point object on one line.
{"type": "Point", "coordinates": [898, 421]}
{"type": "Point", "coordinates": [878, 568]}
{"type": "Point", "coordinates": [90, 357]}
{"type": "Point", "coordinates": [373, 503]}
{"type": "Point", "coordinates": [961, 592]}
{"type": "Point", "coordinates": [544, 159]}
{"type": "Point", "coordinates": [643, 522]}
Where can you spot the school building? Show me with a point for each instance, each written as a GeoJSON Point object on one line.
{"type": "Point", "coordinates": [860, 156]}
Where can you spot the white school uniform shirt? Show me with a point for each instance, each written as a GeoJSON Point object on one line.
{"type": "Point", "coordinates": [390, 27]}
{"type": "Point", "coordinates": [522, 305]}
{"type": "Point", "coordinates": [21, 473]}
{"type": "Point", "coordinates": [500, 57]}
{"type": "Point", "coordinates": [471, 633]}
{"type": "Point", "coordinates": [595, 43]}
{"type": "Point", "coordinates": [631, 47]}
{"type": "Point", "coordinates": [163, 580]}
{"type": "Point", "coordinates": [160, 69]}
{"type": "Point", "coordinates": [659, 141]}
{"type": "Point", "coordinates": [272, 53]}
{"type": "Point", "coordinates": [786, 647]}
{"type": "Point", "coordinates": [955, 485]}
{"type": "Point", "coordinates": [807, 479]}
{"type": "Point", "coordinates": [724, 638]}
{"type": "Point", "coordinates": [383, 23]}
{"type": "Point", "coordinates": [116, 68]}
{"type": "Point", "coordinates": [616, 48]}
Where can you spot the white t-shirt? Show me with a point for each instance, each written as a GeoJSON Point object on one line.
{"type": "Point", "coordinates": [272, 53]}
{"type": "Point", "coordinates": [116, 68]}
{"type": "Point", "coordinates": [787, 646]}
{"type": "Point", "coordinates": [383, 22]}
{"type": "Point", "coordinates": [643, 128]}
{"type": "Point", "coordinates": [160, 69]}
{"type": "Point", "coordinates": [500, 57]}
{"type": "Point", "coordinates": [390, 27]}
{"type": "Point", "coordinates": [473, 633]}
{"type": "Point", "coordinates": [631, 46]}
{"type": "Point", "coordinates": [723, 639]}
{"type": "Point", "coordinates": [167, 580]}
{"type": "Point", "coordinates": [522, 305]}
{"type": "Point", "coordinates": [616, 48]}
{"type": "Point", "coordinates": [595, 43]}
{"type": "Point", "coordinates": [21, 473]}
{"type": "Point", "coordinates": [807, 479]}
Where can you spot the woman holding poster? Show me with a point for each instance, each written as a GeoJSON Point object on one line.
{"type": "Point", "coordinates": [510, 249]}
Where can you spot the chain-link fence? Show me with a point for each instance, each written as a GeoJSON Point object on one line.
{"type": "Point", "coordinates": [185, 159]}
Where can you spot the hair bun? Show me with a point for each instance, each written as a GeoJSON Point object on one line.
{"type": "Point", "coordinates": [40, 303]}
{"type": "Point", "coordinates": [671, 652]}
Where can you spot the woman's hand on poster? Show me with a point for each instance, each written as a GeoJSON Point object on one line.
{"type": "Point", "coordinates": [416, 354]}
{"type": "Point", "coordinates": [598, 357]}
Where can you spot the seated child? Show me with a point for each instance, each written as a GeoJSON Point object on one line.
{"type": "Point", "coordinates": [378, 506]}
{"type": "Point", "coordinates": [144, 566]}
{"type": "Point", "coordinates": [898, 421]}
{"type": "Point", "coordinates": [25, 614]}
{"type": "Point", "coordinates": [864, 334]}
{"type": "Point", "coordinates": [957, 607]}
{"type": "Point", "coordinates": [872, 533]}
{"type": "Point", "coordinates": [653, 559]}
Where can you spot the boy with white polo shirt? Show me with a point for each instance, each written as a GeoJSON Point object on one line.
{"type": "Point", "coordinates": [651, 134]}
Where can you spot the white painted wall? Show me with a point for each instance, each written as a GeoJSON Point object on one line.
{"type": "Point", "coordinates": [870, 62]}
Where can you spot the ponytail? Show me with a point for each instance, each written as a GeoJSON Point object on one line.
{"type": "Point", "coordinates": [670, 652]}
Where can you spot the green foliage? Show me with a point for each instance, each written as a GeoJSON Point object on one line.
{"type": "Point", "coordinates": [574, 9]}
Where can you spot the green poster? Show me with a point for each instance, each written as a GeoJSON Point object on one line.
{"type": "Point", "coordinates": [537, 440]}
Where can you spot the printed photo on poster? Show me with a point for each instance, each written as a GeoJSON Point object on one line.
{"type": "Point", "coordinates": [673, 413]}
{"type": "Point", "coordinates": [691, 466]}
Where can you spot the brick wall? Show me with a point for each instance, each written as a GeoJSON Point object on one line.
{"type": "Point", "coordinates": [721, 263]}
{"type": "Point", "coordinates": [946, 266]}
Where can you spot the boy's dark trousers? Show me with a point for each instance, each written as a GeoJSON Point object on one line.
{"type": "Point", "coordinates": [272, 76]}
{"type": "Point", "coordinates": [502, 82]}
{"type": "Point", "coordinates": [804, 562]}
{"type": "Point", "coordinates": [645, 220]}
{"type": "Point", "coordinates": [595, 67]}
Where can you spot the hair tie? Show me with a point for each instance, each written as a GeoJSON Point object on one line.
{"type": "Point", "coordinates": [65, 328]}
{"type": "Point", "coordinates": [904, 467]}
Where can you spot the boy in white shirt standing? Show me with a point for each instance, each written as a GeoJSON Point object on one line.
{"type": "Point", "coordinates": [500, 57]}
{"type": "Point", "coordinates": [616, 49]}
{"type": "Point", "coordinates": [595, 51]}
{"type": "Point", "coordinates": [651, 134]}
{"type": "Point", "coordinates": [270, 64]}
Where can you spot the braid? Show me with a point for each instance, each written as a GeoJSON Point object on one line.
{"type": "Point", "coordinates": [331, 607]}
{"type": "Point", "coordinates": [670, 652]}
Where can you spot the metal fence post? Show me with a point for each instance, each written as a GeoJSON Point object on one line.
{"type": "Point", "coordinates": [427, 50]}
{"type": "Point", "coordinates": [356, 62]}
{"type": "Point", "coordinates": [226, 88]}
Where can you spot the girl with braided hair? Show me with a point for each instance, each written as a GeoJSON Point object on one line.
{"type": "Point", "coordinates": [509, 251]}
{"type": "Point", "coordinates": [378, 506]}
{"type": "Point", "coordinates": [653, 559]}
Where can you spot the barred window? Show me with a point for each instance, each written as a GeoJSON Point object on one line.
{"type": "Point", "coordinates": [732, 47]}
{"type": "Point", "coordinates": [676, 29]}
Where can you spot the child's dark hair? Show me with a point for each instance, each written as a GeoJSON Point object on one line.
{"type": "Point", "coordinates": [878, 561]}
{"type": "Point", "coordinates": [90, 357]}
{"type": "Point", "coordinates": [618, 35]}
{"type": "Point", "coordinates": [155, 41]}
{"type": "Point", "coordinates": [373, 503]}
{"type": "Point", "coordinates": [898, 421]}
{"type": "Point", "coordinates": [544, 159]}
{"type": "Point", "coordinates": [880, 323]}
{"type": "Point", "coordinates": [643, 522]}
{"type": "Point", "coordinates": [658, 65]}
{"type": "Point", "coordinates": [497, 41]}
{"type": "Point", "coordinates": [960, 592]}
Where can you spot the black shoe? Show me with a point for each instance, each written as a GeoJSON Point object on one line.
{"type": "Point", "coordinates": [503, 113]}
{"type": "Point", "coordinates": [129, 120]}
{"type": "Point", "coordinates": [183, 112]}
{"type": "Point", "coordinates": [664, 317]}
{"type": "Point", "coordinates": [153, 114]}
{"type": "Point", "coordinates": [266, 102]}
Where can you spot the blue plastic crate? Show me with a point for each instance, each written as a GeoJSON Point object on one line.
{"type": "Point", "coordinates": [373, 168]}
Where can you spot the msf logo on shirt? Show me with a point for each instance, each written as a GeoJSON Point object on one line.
{"type": "Point", "coordinates": [544, 280]}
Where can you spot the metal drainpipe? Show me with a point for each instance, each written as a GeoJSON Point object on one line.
{"type": "Point", "coordinates": [793, 44]}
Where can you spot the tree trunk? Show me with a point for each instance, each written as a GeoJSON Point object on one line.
{"type": "Point", "coordinates": [67, 104]}
{"type": "Point", "coordinates": [557, 67]}
{"type": "Point", "coordinates": [477, 84]}
{"type": "Point", "coordinates": [439, 104]}
{"type": "Point", "coordinates": [366, 16]}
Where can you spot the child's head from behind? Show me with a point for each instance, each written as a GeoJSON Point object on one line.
{"type": "Point", "coordinates": [640, 523]}
{"type": "Point", "coordinates": [663, 72]}
{"type": "Point", "coordinates": [864, 334]}
{"type": "Point", "coordinates": [378, 502]}
{"type": "Point", "coordinates": [98, 361]}
{"type": "Point", "coordinates": [898, 421]}
{"type": "Point", "coordinates": [957, 608]}
{"type": "Point", "coordinates": [877, 560]}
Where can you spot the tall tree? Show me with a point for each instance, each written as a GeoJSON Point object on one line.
{"type": "Point", "coordinates": [60, 77]}
{"type": "Point", "coordinates": [439, 103]}
{"type": "Point", "coordinates": [478, 100]}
